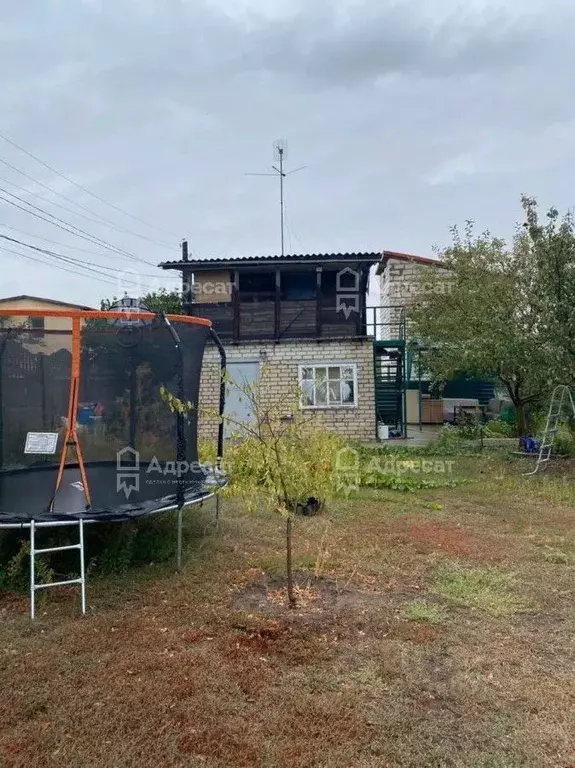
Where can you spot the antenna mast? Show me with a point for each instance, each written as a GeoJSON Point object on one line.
{"type": "Point", "coordinates": [280, 153]}
{"type": "Point", "coordinates": [280, 149]}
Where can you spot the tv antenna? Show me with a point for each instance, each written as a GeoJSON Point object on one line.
{"type": "Point", "coordinates": [280, 154]}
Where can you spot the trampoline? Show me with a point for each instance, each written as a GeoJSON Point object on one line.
{"type": "Point", "coordinates": [85, 433]}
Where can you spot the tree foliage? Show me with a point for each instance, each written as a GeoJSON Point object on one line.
{"type": "Point", "coordinates": [552, 246]}
{"type": "Point", "coordinates": [164, 300]}
{"type": "Point", "coordinates": [500, 312]}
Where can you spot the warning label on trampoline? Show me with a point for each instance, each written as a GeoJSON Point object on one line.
{"type": "Point", "coordinates": [41, 442]}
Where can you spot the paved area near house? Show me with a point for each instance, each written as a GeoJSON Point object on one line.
{"type": "Point", "coordinates": [415, 436]}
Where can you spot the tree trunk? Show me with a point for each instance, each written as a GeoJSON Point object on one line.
{"type": "Point", "coordinates": [289, 564]}
{"type": "Point", "coordinates": [521, 419]}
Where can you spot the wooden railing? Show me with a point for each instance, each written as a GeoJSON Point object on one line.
{"type": "Point", "coordinates": [249, 319]}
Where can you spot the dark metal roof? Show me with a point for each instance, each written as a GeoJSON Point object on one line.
{"type": "Point", "coordinates": [314, 258]}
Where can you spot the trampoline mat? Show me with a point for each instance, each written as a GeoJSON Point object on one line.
{"type": "Point", "coordinates": [26, 494]}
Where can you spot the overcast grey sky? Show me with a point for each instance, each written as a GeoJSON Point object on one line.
{"type": "Point", "coordinates": [410, 116]}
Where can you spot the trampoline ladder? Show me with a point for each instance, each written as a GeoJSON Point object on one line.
{"type": "Point", "coordinates": [34, 552]}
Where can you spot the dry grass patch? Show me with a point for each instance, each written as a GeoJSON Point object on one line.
{"type": "Point", "coordinates": [408, 647]}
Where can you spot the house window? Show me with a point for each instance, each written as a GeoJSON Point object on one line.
{"type": "Point", "coordinates": [257, 285]}
{"type": "Point", "coordinates": [298, 286]}
{"type": "Point", "coordinates": [37, 326]}
{"type": "Point", "coordinates": [328, 385]}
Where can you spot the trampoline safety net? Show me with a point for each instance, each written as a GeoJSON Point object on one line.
{"type": "Point", "coordinates": [84, 430]}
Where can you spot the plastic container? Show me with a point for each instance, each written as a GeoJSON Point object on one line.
{"type": "Point", "coordinates": [382, 432]}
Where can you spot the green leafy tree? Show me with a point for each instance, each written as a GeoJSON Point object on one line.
{"type": "Point", "coordinates": [482, 317]}
{"type": "Point", "coordinates": [552, 246]}
{"type": "Point", "coordinates": [164, 300]}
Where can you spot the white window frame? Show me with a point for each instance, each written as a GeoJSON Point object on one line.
{"type": "Point", "coordinates": [326, 365]}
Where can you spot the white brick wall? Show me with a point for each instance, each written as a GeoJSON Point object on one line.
{"type": "Point", "coordinates": [400, 286]}
{"type": "Point", "coordinates": [280, 368]}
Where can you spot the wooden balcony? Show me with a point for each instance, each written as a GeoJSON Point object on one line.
{"type": "Point", "coordinates": [260, 317]}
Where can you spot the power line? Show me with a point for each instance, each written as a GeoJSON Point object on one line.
{"type": "Point", "coordinates": [84, 264]}
{"type": "Point", "coordinates": [84, 235]}
{"type": "Point", "coordinates": [73, 247]}
{"type": "Point", "coordinates": [55, 266]}
{"type": "Point", "coordinates": [84, 189]}
{"type": "Point", "coordinates": [56, 242]}
{"type": "Point", "coordinates": [73, 202]}
{"type": "Point", "coordinates": [71, 270]}
{"type": "Point", "coordinates": [93, 217]}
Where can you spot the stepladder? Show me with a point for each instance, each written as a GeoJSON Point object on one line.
{"type": "Point", "coordinates": [562, 406]}
{"type": "Point", "coordinates": [35, 528]}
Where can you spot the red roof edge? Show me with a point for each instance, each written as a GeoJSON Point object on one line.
{"type": "Point", "coordinates": [387, 255]}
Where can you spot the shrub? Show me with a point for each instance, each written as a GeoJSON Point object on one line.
{"type": "Point", "coordinates": [15, 575]}
{"type": "Point", "coordinates": [565, 441]}
{"type": "Point", "coordinates": [111, 548]}
{"type": "Point", "coordinates": [499, 428]}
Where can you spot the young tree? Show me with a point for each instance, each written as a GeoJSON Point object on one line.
{"type": "Point", "coordinates": [483, 318]}
{"type": "Point", "coordinates": [278, 459]}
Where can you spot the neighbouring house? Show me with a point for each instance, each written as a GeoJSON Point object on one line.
{"type": "Point", "coordinates": [35, 367]}
{"type": "Point", "coordinates": [401, 284]}
{"type": "Point", "coordinates": [45, 331]}
{"type": "Point", "coordinates": [299, 321]}
{"type": "Point", "coordinates": [401, 281]}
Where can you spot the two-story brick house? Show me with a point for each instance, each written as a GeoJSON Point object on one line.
{"type": "Point", "coordinates": [299, 321]}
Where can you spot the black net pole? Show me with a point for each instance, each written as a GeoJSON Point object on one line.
{"type": "Point", "coordinates": [181, 451]}
{"type": "Point", "coordinates": [3, 344]}
{"type": "Point", "coordinates": [223, 363]}
{"type": "Point", "coordinates": [132, 400]}
{"type": "Point", "coordinates": [181, 447]}
{"type": "Point", "coordinates": [2, 348]}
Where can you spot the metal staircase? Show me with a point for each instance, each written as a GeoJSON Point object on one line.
{"type": "Point", "coordinates": [390, 364]}
{"type": "Point", "coordinates": [389, 387]}
{"type": "Point", "coordinates": [561, 401]}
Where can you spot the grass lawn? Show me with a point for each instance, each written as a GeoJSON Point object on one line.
{"type": "Point", "coordinates": [434, 628]}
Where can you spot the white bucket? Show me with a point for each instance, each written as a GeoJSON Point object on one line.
{"type": "Point", "coordinates": [382, 432]}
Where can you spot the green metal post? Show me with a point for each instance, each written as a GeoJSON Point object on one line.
{"type": "Point", "coordinates": [419, 386]}
{"type": "Point", "coordinates": [404, 337]}
{"type": "Point", "coordinates": [375, 385]}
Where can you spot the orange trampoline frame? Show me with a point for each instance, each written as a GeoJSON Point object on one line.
{"type": "Point", "coordinates": [76, 316]}
{"type": "Point", "coordinates": [71, 437]}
